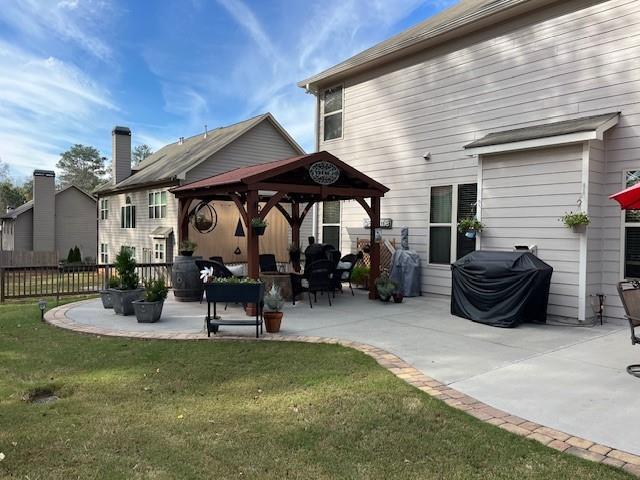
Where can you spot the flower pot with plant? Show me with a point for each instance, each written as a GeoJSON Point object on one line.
{"type": "Point", "coordinates": [128, 288]}
{"type": "Point", "coordinates": [149, 309]}
{"type": "Point", "coordinates": [258, 225]}
{"type": "Point", "coordinates": [385, 287]}
{"type": "Point", "coordinates": [273, 313]}
{"type": "Point", "coordinates": [187, 247]}
{"type": "Point", "coordinates": [105, 295]}
{"type": "Point", "coordinates": [470, 226]}
{"type": "Point", "coordinates": [576, 221]}
{"type": "Point", "coordinates": [360, 276]}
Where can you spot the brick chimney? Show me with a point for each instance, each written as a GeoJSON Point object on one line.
{"type": "Point", "coordinates": [121, 153]}
{"type": "Point", "coordinates": [44, 211]}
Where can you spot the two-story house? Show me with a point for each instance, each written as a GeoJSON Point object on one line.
{"type": "Point", "coordinates": [515, 111]}
{"type": "Point", "coordinates": [137, 210]}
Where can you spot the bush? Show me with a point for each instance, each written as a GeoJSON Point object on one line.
{"type": "Point", "coordinates": [125, 265]}
{"type": "Point", "coordinates": [114, 282]}
{"type": "Point", "coordinates": [155, 290]}
{"type": "Point", "coordinates": [360, 275]}
{"type": "Point", "coordinates": [385, 286]}
{"type": "Point", "coordinates": [74, 255]}
{"type": "Point", "coordinates": [273, 300]}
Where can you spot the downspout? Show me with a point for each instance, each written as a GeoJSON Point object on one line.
{"type": "Point", "coordinates": [314, 224]}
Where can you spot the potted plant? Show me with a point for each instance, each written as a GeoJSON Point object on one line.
{"type": "Point", "coordinates": [360, 276]}
{"type": "Point", "coordinates": [577, 221]}
{"type": "Point", "coordinates": [105, 295]}
{"type": "Point", "coordinates": [294, 256]}
{"type": "Point", "coordinates": [385, 287]}
{"type": "Point", "coordinates": [470, 226]}
{"type": "Point", "coordinates": [258, 225]}
{"type": "Point", "coordinates": [398, 296]}
{"type": "Point", "coordinates": [187, 247]}
{"type": "Point", "coordinates": [273, 313]}
{"type": "Point", "coordinates": [149, 309]}
{"type": "Point", "coordinates": [128, 283]}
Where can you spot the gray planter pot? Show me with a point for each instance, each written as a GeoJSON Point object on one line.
{"type": "Point", "coordinates": [121, 300]}
{"type": "Point", "coordinates": [105, 296]}
{"type": "Point", "coordinates": [148, 312]}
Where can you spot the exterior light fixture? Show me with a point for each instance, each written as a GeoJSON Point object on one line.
{"type": "Point", "coordinates": [42, 305]}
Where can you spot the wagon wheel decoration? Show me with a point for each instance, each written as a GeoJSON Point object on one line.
{"type": "Point", "coordinates": [204, 217]}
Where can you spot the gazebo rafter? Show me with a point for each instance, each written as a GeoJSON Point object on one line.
{"type": "Point", "coordinates": [307, 180]}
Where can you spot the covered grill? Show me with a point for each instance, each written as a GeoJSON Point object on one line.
{"type": "Point", "coordinates": [502, 289]}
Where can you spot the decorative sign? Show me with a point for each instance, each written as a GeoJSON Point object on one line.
{"type": "Point", "coordinates": [385, 223]}
{"type": "Point", "coordinates": [324, 173]}
{"type": "Point", "coordinates": [204, 217]}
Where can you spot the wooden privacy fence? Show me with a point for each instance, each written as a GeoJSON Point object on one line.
{"type": "Point", "coordinates": [19, 258]}
{"type": "Point", "coordinates": [47, 281]}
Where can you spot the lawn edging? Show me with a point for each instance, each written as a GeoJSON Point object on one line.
{"type": "Point", "coordinates": [561, 441]}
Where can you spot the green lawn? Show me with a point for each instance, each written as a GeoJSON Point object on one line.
{"type": "Point", "coordinates": [168, 410]}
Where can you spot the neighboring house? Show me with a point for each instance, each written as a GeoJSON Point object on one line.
{"type": "Point", "coordinates": [137, 210]}
{"type": "Point", "coordinates": [54, 221]}
{"type": "Point", "coordinates": [459, 116]}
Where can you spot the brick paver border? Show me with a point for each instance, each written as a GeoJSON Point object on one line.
{"type": "Point", "coordinates": [550, 437]}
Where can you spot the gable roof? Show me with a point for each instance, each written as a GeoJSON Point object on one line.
{"type": "Point", "coordinates": [244, 176]}
{"type": "Point", "coordinates": [168, 163]}
{"type": "Point", "coordinates": [25, 207]}
{"type": "Point", "coordinates": [444, 26]}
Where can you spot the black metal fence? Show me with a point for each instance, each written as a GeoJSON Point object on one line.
{"type": "Point", "coordinates": [58, 281]}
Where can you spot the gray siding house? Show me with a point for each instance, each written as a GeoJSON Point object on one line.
{"type": "Point", "coordinates": [516, 111]}
{"type": "Point", "coordinates": [54, 221]}
{"type": "Point", "coordinates": [138, 211]}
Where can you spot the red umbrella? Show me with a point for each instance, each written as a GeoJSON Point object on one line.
{"type": "Point", "coordinates": [629, 198]}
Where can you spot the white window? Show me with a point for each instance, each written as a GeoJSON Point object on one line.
{"type": "Point", "coordinates": [631, 232]}
{"type": "Point", "coordinates": [332, 113]}
{"type": "Point", "coordinates": [128, 214]}
{"type": "Point", "coordinates": [331, 223]}
{"type": "Point", "coordinates": [158, 251]}
{"type": "Point", "coordinates": [157, 204]}
{"type": "Point", "coordinates": [104, 208]}
{"type": "Point", "coordinates": [449, 204]}
{"type": "Point", "coordinates": [104, 253]}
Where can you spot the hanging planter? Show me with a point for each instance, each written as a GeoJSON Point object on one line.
{"type": "Point", "coordinates": [258, 225]}
{"type": "Point", "coordinates": [576, 221]}
{"type": "Point", "coordinates": [470, 227]}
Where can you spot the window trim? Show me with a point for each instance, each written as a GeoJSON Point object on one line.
{"type": "Point", "coordinates": [323, 115]}
{"type": "Point", "coordinates": [153, 206]}
{"type": "Point", "coordinates": [453, 248]}
{"type": "Point", "coordinates": [104, 209]}
{"type": "Point", "coordinates": [161, 251]}
{"type": "Point", "coordinates": [623, 225]}
{"type": "Point", "coordinates": [132, 216]}
{"type": "Point", "coordinates": [339, 224]}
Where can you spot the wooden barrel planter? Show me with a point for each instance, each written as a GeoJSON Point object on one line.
{"type": "Point", "coordinates": [185, 278]}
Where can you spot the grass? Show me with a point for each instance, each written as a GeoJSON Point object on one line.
{"type": "Point", "coordinates": [134, 409]}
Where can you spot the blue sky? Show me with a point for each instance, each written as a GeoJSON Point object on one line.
{"type": "Point", "coordinates": [72, 69]}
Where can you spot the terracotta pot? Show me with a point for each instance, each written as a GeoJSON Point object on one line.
{"type": "Point", "coordinates": [250, 309]}
{"type": "Point", "coordinates": [272, 321]}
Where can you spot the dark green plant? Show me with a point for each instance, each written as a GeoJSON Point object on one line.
{"type": "Point", "coordinates": [360, 274]}
{"type": "Point", "coordinates": [385, 286]}
{"type": "Point", "coordinates": [77, 256]}
{"type": "Point", "coordinates": [188, 246]}
{"type": "Point", "coordinates": [470, 224]}
{"type": "Point", "coordinates": [573, 219]}
{"type": "Point", "coordinates": [125, 265]}
{"type": "Point", "coordinates": [257, 222]}
{"type": "Point", "coordinates": [155, 290]}
{"type": "Point", "coordinates": [70, 256]}
{"type": "Point", "coordinates": [114, 282]}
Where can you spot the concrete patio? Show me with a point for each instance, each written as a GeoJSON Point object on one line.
{"type": "Point", "coordinates": [569, 378]}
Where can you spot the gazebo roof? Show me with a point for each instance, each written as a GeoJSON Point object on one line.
{"type": "Point", "coordinates": [293, 175]}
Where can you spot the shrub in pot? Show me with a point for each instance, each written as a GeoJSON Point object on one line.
{"type": "Point", "coordinates": [187, 247]}
{"type": "Point", "coordinates": [149, 309]}
{"type": "Point", "coordinates": [128, 287]}
{"type": "Point", "coordinates": [105, 295]}
{"type": "Point", "coordinates": [273, 302]}
{"type": "Point", "coordinates": [360, 276]}
{"type": "Point", "coordinates": [258, 225]}
{"type": "Point", "coordinates": [385, 287]}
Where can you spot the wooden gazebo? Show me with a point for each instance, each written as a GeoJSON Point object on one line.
{"type": "Point", "coordinates": [300, 182]}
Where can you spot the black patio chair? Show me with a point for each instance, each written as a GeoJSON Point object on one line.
{"type": "Point", "coordinates": [217, 259]}
{"type": "Point", "coordinates": [319, 280]}
{"type": "Point", "coordinates": [630, 296]}
{"type": "Point", "coordinates": [268, 263]}
{"type": "Point", "coordinates": [344, 274]}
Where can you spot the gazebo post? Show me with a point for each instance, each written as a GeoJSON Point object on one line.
{"type": "Point", "coordinates": [374, 253]}
{"type": "Point", "coordinates": [183, 220]}
{"type": "Point", "coordinates": [295, 229]}
{"type": "Point", "coordinates": [253, 247]}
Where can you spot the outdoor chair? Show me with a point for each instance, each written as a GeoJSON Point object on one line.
{"type": "Point", "coordinates": [217, 259]}
{"type": "Point", "coordinates": [268, 263]}
{"type": "Point", "coordinates": [630, 296]}
{"type": "Point", "coordinates": [319, 280]}
{"type": "Point", "coordinates": [345, 269]}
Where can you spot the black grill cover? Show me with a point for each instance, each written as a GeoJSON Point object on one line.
{"type": "Point", "coordinates": [502, 289]}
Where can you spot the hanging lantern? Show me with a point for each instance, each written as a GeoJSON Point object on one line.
{"type": "Point", "coordinates": [204, 217]}
{"type": "Point", "coordinates": [239, 233]}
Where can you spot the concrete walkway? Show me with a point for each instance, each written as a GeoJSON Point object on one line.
{"type": "Point", "coordinates": [572, 379]}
